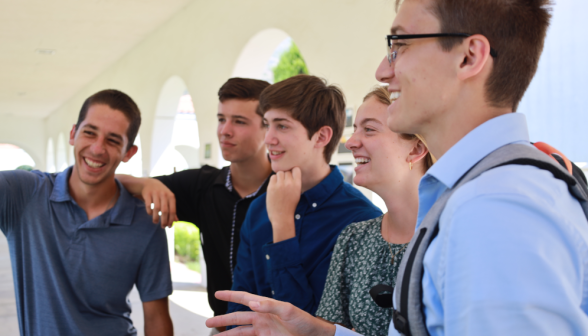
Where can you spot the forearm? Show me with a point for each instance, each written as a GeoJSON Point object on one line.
{"type": "Point", "coordinates": [133, 184]}
{"type": "Point", "coordinates": [161, 326]}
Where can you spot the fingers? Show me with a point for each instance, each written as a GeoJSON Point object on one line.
{"type": "Point", "coordinates": [164, 212]}
{"type": "Point", "coordinates": [284, 310]}
{"type": "Point", "coordinates": [239, 297]}
{"type": "Point", "coordinates": [297, 175]}
{"type": "Point", "coordinates": [148, 204]}
{"type": "Point", "coordinates": [238, 318]}
{"type": "Point", "coordinates": [155, 205]}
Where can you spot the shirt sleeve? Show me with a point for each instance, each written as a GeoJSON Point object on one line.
{"type": "Point", "coordinates": [243, 274]}
{"type": "Point", "coordinates": [509, 265]}
{"type": "Point", "coordinates": [186, 186]}
{"type": "Point", "coordinates": [334, 304]}
{"type": "Point", "coordinates": [154, 278]}
{"type": "Point", "coordinates": [16, 189]}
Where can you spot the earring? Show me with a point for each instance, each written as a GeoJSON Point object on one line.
{"type": "Point", "coordinates": [410, 165]}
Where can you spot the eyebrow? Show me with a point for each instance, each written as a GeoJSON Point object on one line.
{"type": "Point", "coordinates": [233, 116]}
{"type": "Point", "coordinates": [278, 120]}
{"type": "Point", "coordinates": [366, 120]}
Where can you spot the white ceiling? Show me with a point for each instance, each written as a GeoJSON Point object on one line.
{"type": "Point", "coordinates": [86, 35]}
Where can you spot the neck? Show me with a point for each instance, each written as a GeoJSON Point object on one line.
{"type": "Point", "coordinates": [456, 122]}
{"type": "Point", "coordinates": [311, 178]}
{"type": "Point", "coordinates": [93, 199]}
{"type": "Point", "coordinates": [402, 201]}
{"type": "Point", "coordinates": [248, 175]}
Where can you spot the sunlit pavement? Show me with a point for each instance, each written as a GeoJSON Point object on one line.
{"type": "Point", "coordinates": [188, 304]}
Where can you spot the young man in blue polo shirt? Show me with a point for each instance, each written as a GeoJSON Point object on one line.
{"type": "Point", "coordinates": [288, 234]}
{"type": "Point", "coordinates": [79, 241]}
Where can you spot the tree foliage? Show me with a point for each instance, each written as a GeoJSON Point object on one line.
{"type": "Point", "coordinates": [291, 64]}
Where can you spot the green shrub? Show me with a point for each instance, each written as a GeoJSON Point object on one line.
{"type": "Point", "coordinates": [187, 240]}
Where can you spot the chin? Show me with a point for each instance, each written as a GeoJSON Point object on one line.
{"type": "Point", "coordinates": [276, 167]}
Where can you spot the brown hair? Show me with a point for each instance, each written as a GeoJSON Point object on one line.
{"type": "Point", "coordinates": [383, 96]}
{"type": "Point", "coordinates": [119, 101]}
{"type": "Point", "coordinates": [243, 89]}
{"type": "Point", "coordinates": [516, 29]}
{"type": "Point", "coordinates": [309, 100]}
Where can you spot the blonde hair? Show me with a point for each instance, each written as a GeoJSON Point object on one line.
{"type": "Point", "coordinates": [383, 96]}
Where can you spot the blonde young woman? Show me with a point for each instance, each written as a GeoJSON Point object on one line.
{"type": "Point", "coordinates": [368, 253]}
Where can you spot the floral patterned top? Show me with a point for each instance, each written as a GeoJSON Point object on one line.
{"type": "Point", "coordinates": [361, 259]}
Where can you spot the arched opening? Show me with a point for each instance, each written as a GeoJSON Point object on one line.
{"type": "Point", "coordinates": [50, 157]}
{"type": "Point", "coordinates": [61, 156]}
{"type": "Point", "coordinates": [14, 157]}
{"type": "Point", "coordinates": [175, 141]}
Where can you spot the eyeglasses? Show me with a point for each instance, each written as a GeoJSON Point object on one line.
{"type": "Point", "coordinates": [392, 54]}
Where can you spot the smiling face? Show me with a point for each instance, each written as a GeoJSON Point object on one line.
{"type": "Point", "coordinates": [100, 144]}
{"type": "Point", "coordinates": [240, 130]}
{"type": "Point", "coordinates": [380, 154]}
{"type": "Point", "coordinates": [423, 76]}
{"type": "Point", "coordinates": [288, 144]}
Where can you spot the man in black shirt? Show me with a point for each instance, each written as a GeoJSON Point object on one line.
{"type": "Point", "coordinates": [216, 200]}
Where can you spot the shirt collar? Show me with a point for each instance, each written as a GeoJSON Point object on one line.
{"type": "Point", "coordinates": [477, 144]}
{"type": "Point", "coordinates": [322, 191]}
{"type": "Point", "coordinates": [221, 179]}
{"type": "Point", "coordinates": [121, 213]}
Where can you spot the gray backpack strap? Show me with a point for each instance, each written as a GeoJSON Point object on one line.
{"type": "Point", "coordinates": [409, 317]}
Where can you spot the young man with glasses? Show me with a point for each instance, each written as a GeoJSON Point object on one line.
{"type": "Point", "coordinates": [510, 254]}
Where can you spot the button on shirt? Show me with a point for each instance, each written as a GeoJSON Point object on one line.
{"type": "Point", "coordinates": [73, 275]}
{"type": "Point", "coordinates": [295, 270]}
{"type": "Point", "coordinates": [511, 256]}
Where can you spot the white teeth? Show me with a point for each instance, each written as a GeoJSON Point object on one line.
{"type": "Point", "coordinates": [93, 164]}
{"type": "Point", "coordinates": [394, 95]}
{"type": "Point", "coordinates": [275, 153]}
{"type": "Point", "coordinates": [362, 160]}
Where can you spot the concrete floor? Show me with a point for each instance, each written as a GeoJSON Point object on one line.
{"type": "Point", "coordinates": [188, 315]}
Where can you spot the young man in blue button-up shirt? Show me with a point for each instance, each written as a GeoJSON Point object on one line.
{"type": "Point", "coordinates": [79, 241]}
{"type": "Point", "coordinates": [511, 255]}
{"type": "Point", "coordinates": [289, 233]}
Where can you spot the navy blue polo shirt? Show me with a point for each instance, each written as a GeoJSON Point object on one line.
{"type": "Point", "coordinates": [73, 276]}
{"type": "Point", "coordinates": [295, 270]}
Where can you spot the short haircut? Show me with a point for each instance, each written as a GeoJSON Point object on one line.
{"type": "Point", "coordinates": [242, 89]}
{"type": "Point", "coordinates": [119, 101]}
{"type": "Point", "coordinates": [383, 96]}
{"type": "Point", "coordinates": [516, 29]}
{"type": "Point", "coordinates": [309, 100]}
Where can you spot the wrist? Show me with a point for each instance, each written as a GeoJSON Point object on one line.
{"type": "Point", "coordinates": [283, 230]}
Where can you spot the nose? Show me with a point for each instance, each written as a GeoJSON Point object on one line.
{"type": "Point", "coordinates": [353, 142]}
{"type": "Point", "coordinates": [270, 138]}
{"type": "Point", "coordinates": [226, 129]}
{"type": "Point", "coordinates": [98, 147]}
{"type": "Point", "coordinates": [385, 71]}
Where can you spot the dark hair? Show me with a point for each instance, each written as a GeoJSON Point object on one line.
{"type": "Point", "coordinates": [383, 96]}
{"type": "Point", "coordinates": [309, 100]}
{"type": "Point", "coordinates": [243, 89]}
{"type": "Point", "coordinates": [516, 29]}
{"type": "Point", "coordinates": [119, 101]}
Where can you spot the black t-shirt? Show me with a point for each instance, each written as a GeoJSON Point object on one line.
{"type": "Point", "coordinates": [203, 198]}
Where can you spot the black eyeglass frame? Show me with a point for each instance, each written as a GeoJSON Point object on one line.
{"type": "Point", "coordinates": [392, 54]}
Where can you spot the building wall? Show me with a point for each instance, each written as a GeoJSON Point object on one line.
{"type": "Point", "coordinates": [341, 40]}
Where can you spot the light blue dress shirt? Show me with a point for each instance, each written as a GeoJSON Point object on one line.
{"type": "Point", "coordinates": [511, 256]}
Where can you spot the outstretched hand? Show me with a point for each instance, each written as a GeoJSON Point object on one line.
{"type": "Point", "coordinates": [268, 318]}
{"type": "Point", "coordinates": [283, 195]}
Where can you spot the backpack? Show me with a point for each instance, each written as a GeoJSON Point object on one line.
{"type": "Point", "coordinates": [409, 317]}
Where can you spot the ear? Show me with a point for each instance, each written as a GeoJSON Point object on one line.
{"type": "Point", "coordinates": [417, 153]}
{"type": "Point", "coordinates": [72, 135]}
{"type": "Point", "coordinates": [475, 57]}
{"type": "Point", "coordinates": [130, 153]}
{"type": "Point", "coordinates": [323, 136]}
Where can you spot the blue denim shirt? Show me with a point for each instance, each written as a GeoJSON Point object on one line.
{"type": "Point", "coordinates": [295, 270]}
{"type": "Point", "coordinates": [72, 276]}
{"type": "Point", "coordinates": [511, 256]}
